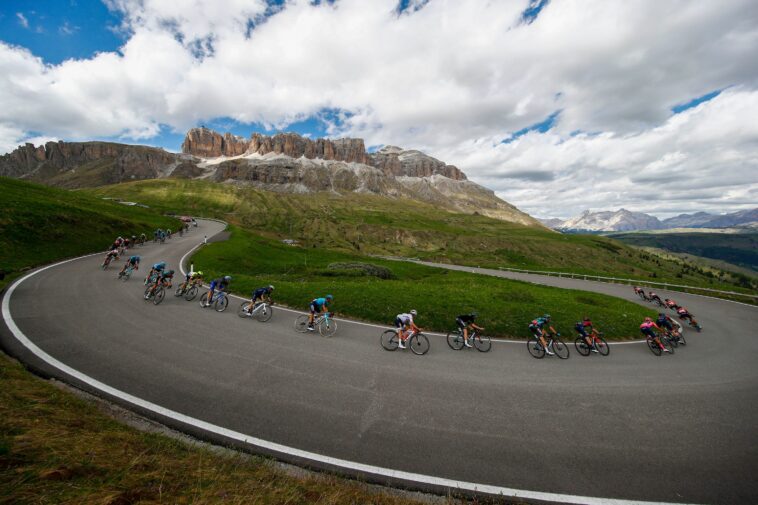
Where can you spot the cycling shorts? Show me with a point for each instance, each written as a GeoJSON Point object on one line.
{"type": "Point", "coordinates": [460, 322]}
{"type": "Point", "coordinates": [665, 324]}
{"type": "Point", "coordinates": [399, 323]}
{"type": "Point", "coordinates": [315, 308]}
{"type": "Point", "coordinates": [649, 332]}
{"type": "Point", "coordinates": [581, 331]}
{"type": "Point", "coordinates": [536, 330]}
{"type": "Point", "coordinates": [213, 285]}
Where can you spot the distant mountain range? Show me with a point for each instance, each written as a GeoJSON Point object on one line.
{"type": "Point", "coordinates": [624, 220]}
{"type": "Point", "coordinates": [285, 162]}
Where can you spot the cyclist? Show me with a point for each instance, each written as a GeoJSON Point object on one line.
{"type": "Point", "coordinates": [134, 240]}
{"type": "Point", "coordinates": [466, 322]}
{"type": "Point", "coordinates": [684, 315]}
{"type": "Point", "coordinates": [403, 323]}
{"type": "Point", "coordinates": [190, 278]}
{"type": "Point", "coordinates": [116, 244]}
{"type": "Point", "coordinates": [155, 270]}
{"type": "Point", "coordinates": [260, 295]}
{"type": "Point", "coordinates": [640, 292]}
{"type": "Point", "coordinates": [143, 239]}
{"type": "Point", "coordinates": [586, 330]}
{"type": "Point", "coordinates": [647, 329]}
{"type": "Point", "coordinates": [167, 277]}
{"type": "Point", "coordinates": [319, 305]}
{"type": "Point", "coordinates": [110, 256]}
{"type": "Point", "coordinates": [671, 304]}
{"type": "Point", "coordinates": [653, 298]}
{"type": "Point", "coordinates": [218, 284]}
{"type": "Point", "coordinates": [536, 327]}
{"type": "Point", "coordinates": [133, 261]}
{"type": "Point", "coordinates": [667, 324]}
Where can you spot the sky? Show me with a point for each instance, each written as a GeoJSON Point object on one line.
{"type": "Point", "coordinates": [556, 105]}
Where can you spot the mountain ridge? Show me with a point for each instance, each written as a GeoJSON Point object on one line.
{"type": "Point", "coordinates": [624, 220]}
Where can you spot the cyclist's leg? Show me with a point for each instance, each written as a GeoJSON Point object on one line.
{"type": "Point", "coordinates": [312, 315]}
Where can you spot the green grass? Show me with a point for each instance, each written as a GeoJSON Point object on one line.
{"type": "Point", "coordinates": [58, 448]}
{"type": "Point", "coordinates": [300, 274]}
{"type": "Point", "coordinates": [40, 224]}
{"type": "Point", "coordinates": [371, 224]}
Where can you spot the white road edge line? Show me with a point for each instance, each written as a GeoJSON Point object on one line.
{"type": "Point", "coordinates": [372, 325]}
{"type": "Point", "coordinates": [283, 449]}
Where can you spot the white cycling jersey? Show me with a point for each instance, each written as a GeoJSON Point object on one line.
{"type": "Point", "coordinates": [406, 319]}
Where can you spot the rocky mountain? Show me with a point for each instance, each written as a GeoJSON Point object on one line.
{"type": "Point", "coordinates": [284, 162]}
{"type": "Point", "coordinates": [620, 220]}
{"type": "Point", "coordinates": [623, 220]}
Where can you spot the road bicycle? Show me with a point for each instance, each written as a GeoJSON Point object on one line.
{"type": "Point", "coordinates": [675, 337]}
{"type": "Point", "coordinates": [124, 276]}
{"type": "Point", "coordinates": [324, 322]}
{"type": "Point", "coordinates": [416, 342]}
{"type": "Point", "coordinates": [456, 341]}
{"type": "Point", "coordinates": [156, 292]}
{"type": "Point", "coordinates": [642, 295]}
{"type": "Point", "coordinates": [188, 289]}
{"type": "Point", "coordinates": [554, 342]}
{"type": "Point", "coordinates": [107, 261]}
{"type": "Point", "coordinates": [219, 300]}
{"type": "Point", "coordinates": [657, 349]}
{"type": "Point", "coordinates": [262, 311]}
{"type": "Point", "coordinates": [599, 345]}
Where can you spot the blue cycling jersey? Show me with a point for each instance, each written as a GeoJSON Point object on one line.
{"type": "Point", "coordinates": [318, 303]}
{"type": "Point", "coordinates": [134, 259]}
{"type": "Point", "coordinates": [159, 266]}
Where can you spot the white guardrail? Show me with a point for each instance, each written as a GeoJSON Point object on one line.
{"type": "Point", "coordinates": [613, 280]}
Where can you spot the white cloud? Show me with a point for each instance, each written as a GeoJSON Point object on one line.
{"type": "Point", "coordinates": [452, 78]}
{"type": "Point", "coordinates": [22, 19]}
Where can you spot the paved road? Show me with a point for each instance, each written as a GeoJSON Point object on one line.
{"type": "Point", "coordinates": [631, 426]}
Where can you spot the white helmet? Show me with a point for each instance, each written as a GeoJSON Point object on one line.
{"type": "Point", "coordinates": [414, 313]}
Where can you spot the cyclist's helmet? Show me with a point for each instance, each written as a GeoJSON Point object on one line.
{"type": "Point", "coordinates": [414, 313]}
{"type": "Point", "coordinates": [227, 278]}
{"type": "Point", "coordinates": [546, 317]}
{"type": "Point", "coordinates": [271, 287]}
{"type": "Point", "coordinates": [329, 298]}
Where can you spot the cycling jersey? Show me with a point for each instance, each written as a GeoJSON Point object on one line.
{"type": "Point", "coordinates": [261, 292]}
{"type": "Point", "coordinates": [317, 304]}
{"type": "Point", "coordinates": [403, 320]}
{"type": "Point", "coordinates": [538, 323]}
{"type": "Point", "coordinates": [167, 275]}
{"type": "Point", "coordinates": [219, 284]}
{"type": "Point", "coordinates": [159, 266]}
{"type": "Point", "coordinates": [664, 322]}
{"type": "Point", "coordinates": [134, 260]}
{"type": "Point", "coordinates": [113, 253]}
{"type": "Point", "coordinates": [581, 329]}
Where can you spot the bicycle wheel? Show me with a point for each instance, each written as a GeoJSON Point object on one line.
{"type": "Point", "coordinates": [455, 340]}
{"type": "Point", "coordinates": [482, 343]}
{"type": "Point", "coordinates": [581, 346]}
{"type": "Point", "coordinates": [674, 342]}
{"type": "Point", "coordinates": [419, 344]}
{"type": "Point", "coordinates": [654, 347]}
{"type": "Point", "coordinates": [264, 313]}
{"type": "Point", "coordinates": [160, 293]}
{"type": "Point", "coordinates": [667, 344]}
{"type": "Point", "coordinates": [560, 349]}
{"type": "Point", "coordinates": [179, 291]}
{"type": "Point", "coordinates": [148, 292]}
{"type": "Point", "coordinates": [682, 340]}
{"type": "Point", "coordinates": [535, 348]}
{"type": "Point", "coordinates": [221, 303]}
{"type": "Point", "coordinates": [327, 328]}
{"type": "Point", "coordinates": [191, 293]}
{"type": "Point", "coordinates": [204, 299]}
{"type": "Point", "coordinates": [602, 346]}
{"type": "Point", "coordinates": [301, 323]}
{"type": "Point", "coordinates": [388, 340]}
{"type": "Point", "coordinates": [243, 311]}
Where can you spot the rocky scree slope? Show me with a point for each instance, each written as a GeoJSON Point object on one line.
{"type": "Point", "coordinates": [284, 162]}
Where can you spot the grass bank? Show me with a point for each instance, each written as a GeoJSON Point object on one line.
{"type": "Point", "coordinates": [371, 224]}
{"type": "Point", "coordinates": [505, 306]}
{"type": "Point", "coordinates": [58, 448]}
{"type": "Point", "coordinates": [40, 224]}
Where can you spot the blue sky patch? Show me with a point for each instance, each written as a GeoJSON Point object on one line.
{"type": "Point", "coordinates": [533, 10]}
{"type": "Point", "coordinates": [676, 109]}
{"type": "Point", "coordinates": [540, 127]}
{"type": "Point", "coordinates": [60, 30]}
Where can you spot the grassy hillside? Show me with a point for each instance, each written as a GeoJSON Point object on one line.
{"type": "Point", "coordinates": [369, 224]}
{"type": "Point", "coordinates": [505, 307]}
{"type": "Point", "coordinates": [40, 224]}
{"type": "Point", "coordinates": [740, 249]}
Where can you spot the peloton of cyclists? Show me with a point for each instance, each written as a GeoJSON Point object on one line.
{"type": "Point", "coordinates": [320, 306]}
{"type": "Point", "coordinates": [465, 323]}
{"type": "Point", "coordinates": [403, 323]}
{"type": "Point", "coordinates": [536, 327]}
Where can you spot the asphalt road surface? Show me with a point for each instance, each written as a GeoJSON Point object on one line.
{"type": "Point", "coordinates": [631, 426]}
